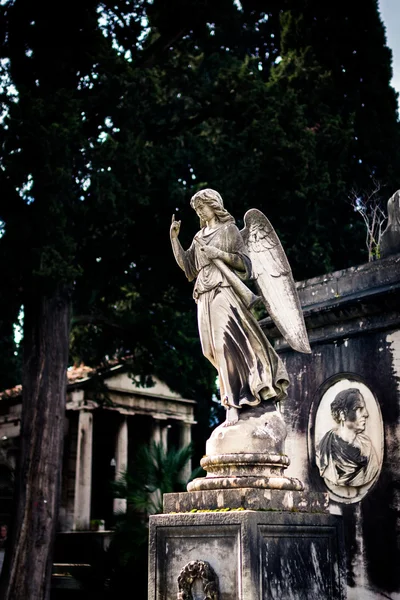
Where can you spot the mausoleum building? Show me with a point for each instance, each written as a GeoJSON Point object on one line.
{"type": "Point", "coordinates": [343, 414]}
{"type": "Point", "coordinates": [107, 418]}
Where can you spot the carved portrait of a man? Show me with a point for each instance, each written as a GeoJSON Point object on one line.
{"type": "Point", "coordinates": [345, 455]}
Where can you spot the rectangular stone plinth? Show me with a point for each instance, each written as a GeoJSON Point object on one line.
{"type": "Point", "coordinates": [247, 555]}
{"type": "Point", "coordinates": [246, 498]}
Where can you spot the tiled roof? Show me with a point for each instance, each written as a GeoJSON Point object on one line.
{"type": "Point", "coordinates": [12, 392]}
{"type": "Point", "coordinates": [74, 374]}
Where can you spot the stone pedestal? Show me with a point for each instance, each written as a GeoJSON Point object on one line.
{"type": "Point", "coordinates": [249, 454]}
{"type": "Point", "coordinates": [246, 531]}
{"type": "Point", "coordinates": [246, 499]}
{"type": "Point", "coordinates": [245, 554]}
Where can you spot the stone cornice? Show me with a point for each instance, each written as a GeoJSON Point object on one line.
{"type": "Point", "coordinates": [345, 303]}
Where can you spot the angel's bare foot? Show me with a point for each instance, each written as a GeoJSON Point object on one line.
{"type": "Point", "coordinates": [232, 416]}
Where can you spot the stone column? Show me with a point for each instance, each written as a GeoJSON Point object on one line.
{"type": "Point", "coordinates": [121, 459]}
{"type": "Point", "coordinates": [164, 436]}
{"type": "Point", "coordinates": [83, 471]}
{"type": "Point", "coordinates": [185, 440]}
{"type": "Point", "coordinates": [160, 432]}
{"type": "Point", "coordinates": [158, 436]}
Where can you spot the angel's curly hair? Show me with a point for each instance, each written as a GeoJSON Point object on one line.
{"type": "Point", "coordinates": [213, 200]}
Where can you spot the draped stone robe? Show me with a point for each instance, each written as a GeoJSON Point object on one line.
{"type": "Point", "coordinates": [345, 463]}
{"type": "Point", "coordinates": [248, 367]}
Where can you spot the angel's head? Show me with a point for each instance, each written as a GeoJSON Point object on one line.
{"type": "Point", "coordinates": [214, 203]}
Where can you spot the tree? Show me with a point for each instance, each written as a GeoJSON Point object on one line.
{"type": "Point", "coordinates": [111, 122]}
{"type": "Point", "coordinates": [347, 41]}
{"type": "Point", "coordinates": [66, 214]}
{"type": "Point", "coordinates": [51, 116]}
{"type": "Point", "coordinates": [371, 207]}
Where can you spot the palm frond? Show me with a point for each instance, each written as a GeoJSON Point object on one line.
{"type": "Point", "coordinates": [156, 472]}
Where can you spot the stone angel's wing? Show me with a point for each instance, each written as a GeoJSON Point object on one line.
{"type": "Point", "coordinates": [274, 279]}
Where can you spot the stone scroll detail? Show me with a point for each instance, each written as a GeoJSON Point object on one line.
{"type": "Point", "coordinates": [198, 569]}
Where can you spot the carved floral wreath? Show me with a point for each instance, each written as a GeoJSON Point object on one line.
{"type": "Point", "coordinates": [198, 569]}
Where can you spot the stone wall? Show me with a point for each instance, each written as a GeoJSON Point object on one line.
{"type": "Point", "coordinates": [248, 555]}
{"type": "Point", "coordinates": [353, 321]}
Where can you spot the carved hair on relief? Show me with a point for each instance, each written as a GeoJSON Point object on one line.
{"type": "Point", "coordinates": [348, 440]}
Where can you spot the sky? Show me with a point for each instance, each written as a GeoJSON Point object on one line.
{"type": "Point", "coordinates": [390, 13]}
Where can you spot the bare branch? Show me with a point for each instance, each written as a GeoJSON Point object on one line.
{"type": "Point", "coordinates": [369, 205]}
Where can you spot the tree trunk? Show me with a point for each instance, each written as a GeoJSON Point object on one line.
{"type": "Point", "coordinates": [28, 561]}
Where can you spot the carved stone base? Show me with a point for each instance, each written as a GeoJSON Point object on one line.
{"type": "Point", "coordinates": [246, 499]}
{"type": "Point", "coordinates": [249, 454]}
{"type": "Point", "coordinates": [245, 471]}
{"type": "Point", "coordinates": [246, 555]}
{"type": "Point", "coordinates": [260, 430]}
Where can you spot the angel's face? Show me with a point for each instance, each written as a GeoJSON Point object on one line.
{"type": "Point", "coordinates": [204, 212]}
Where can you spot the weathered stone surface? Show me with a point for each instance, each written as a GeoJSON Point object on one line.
{"type": "Point", "coordinates": [259, 461]}
{"type": "Point", "coordinates": [255, 555]}
{"type": "Point", "coordinates": [250, 470]}
{"type": "Point", "coordinates": [248, 454]}
{"type": "Point", "coordinates": [270, 483]}
{"type": "Point", "coordinates": [362, 280]}
{"type": "Point", "coordinates": [245, 471]}
{"type": "Point", "coordinates": [260, 430]}
{"type": "Point", "coordinates": [353, 321]}
{"type": "Point", "coordinates": [246, 498]}
{"type": "Point", "coordinates": [347, 303]}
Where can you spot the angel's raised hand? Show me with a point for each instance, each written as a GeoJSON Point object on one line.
{"type": "Point", "coordinates": [175, 228]}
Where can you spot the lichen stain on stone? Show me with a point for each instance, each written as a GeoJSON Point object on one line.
{"type": "Point", "coordinates": [288, 501]}
{"type": "Point", "coordinates": [358, 559]}
{"type": "Point", "coordinates": [393, 340]}
{"type": "Point", "coordinates": [301, 373]}
{"type": "Point", "coordinates": [317, 571]}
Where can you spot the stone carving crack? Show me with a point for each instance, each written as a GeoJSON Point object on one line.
{"type": "Point", "coordinates": [198, 569]}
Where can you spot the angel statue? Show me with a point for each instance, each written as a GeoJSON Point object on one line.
{"type": "Point", "coordinates": [220, 259]}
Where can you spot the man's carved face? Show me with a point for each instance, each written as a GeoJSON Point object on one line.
{"type": "Point", "coordinates": [357, 416]}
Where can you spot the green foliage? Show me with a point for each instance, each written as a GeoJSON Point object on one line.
{"type": "Point", "coordinates": [156, 472]}
{"type": "Point", "coordinates": [347, 41]}
{"type": "Point", "coordinates": [119, 121]}
{"type": "Point", "coordinates": [117, 113]}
